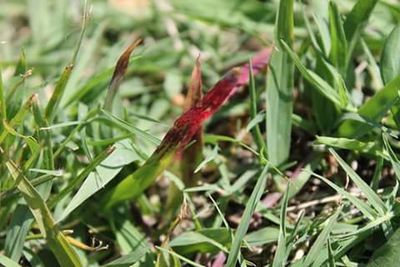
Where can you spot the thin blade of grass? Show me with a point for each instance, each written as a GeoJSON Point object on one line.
{"type": "Point", "coordinates": [87, 55]}
{"type": "Point", "coordinates": [355, 22]}
{"type": "Point", "coordinates": [144, 135]}
{"type": "Point", "coordinates": [245, 221]}
{"type": "Point", "coordinates": [393, 157]}
{"type": "Point", "coordinates": [82, 123]}
{"type": "Point", "coordinates": [282, 249]}
{"type": "Point", "coordinates": [322, 239]}
{"type": "Point", "coordinates": [255, 130]}
{"type": "Point", "coordinates": [338, 53]}
{"type": "Point", "coordinates": [55, 99]}
{"type": "Point", "coordinates": [351, 144]}
{"type": "Point", "coordinates": [357, 17]}
{"type": "Point", "coordinates": [47, 145]}
{"type": "Point", "coordinates": [373, 199]}
{"type": "Point", "coordinates": [3, 105]}
{"type": "Point", "coordinates": [331, 256]}
{"type": "Point", "coordinates": [280, 88]}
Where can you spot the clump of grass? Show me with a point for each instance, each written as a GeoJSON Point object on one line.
{"type": "Point", "coordinates": [113, 159]}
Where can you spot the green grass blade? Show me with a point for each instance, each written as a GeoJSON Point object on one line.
{"type": "Point", "coordinates": [55, 100]}
{"type": "Point", "coordinates": [52, 106]}
{"type": "Point", "coordinates": [390, 59]}
{"type": "Point", "coordinates": [393, 157]}
{"type": "Point", "coordinates": [322, 239]}
{"type": "Point", "coordinates": [331, 256]}
{"type": "Point", "coordinates": [373, 110]}
{"type": "Point", "coordinates": [129, 127]}
{"type": "Point", "coordinates": [280, 88]}
{"type": "Point", "coordinates": [245, 221]}
{"type": "Point", "coordinates": [357, 17]}
{"type": "Point", "coordinates": [350, 144]}
{"type": "Point", "coordinates": [373, 199]}
{"type": "Point", "coordinates": [82, 123]}
{"type": "Point", "coordinates": [369, 227]}
{"type": "Point", "coordinates": [3, 105]}
{"type": "Point", "coordinates": [338, 53]}
{"type": "Point", "coordinates": [354, 23]}
{"type": "Point", "coordinates": [316, 81]}
{"type": "Point", "coordinates": [48, 161]}
{"type": "Point", "coordinates": [6, 261]}
{"type": "Point", "coordinates": [255, 131]}
{"type": "Point", "coordinates": [86, 57]}
{"type": "Point", "coordinates": [300, 180]}
{"type": "Point", "coordinates": [377, 81]}
{"type": "Point", "coordinates": [282, 249]}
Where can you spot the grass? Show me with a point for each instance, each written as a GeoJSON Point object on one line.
{"type": "Point", "coordinates": [199, 133]}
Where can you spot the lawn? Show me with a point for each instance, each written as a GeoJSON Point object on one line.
{"type": "Point", "coordinates": [199, 133]}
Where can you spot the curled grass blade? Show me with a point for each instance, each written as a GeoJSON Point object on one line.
{"type": "Point", "coordinates": [119, 72]}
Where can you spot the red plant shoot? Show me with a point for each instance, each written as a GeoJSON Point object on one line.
{"type": "Point", "coordinates": [184, 129]}
{"type": "Point", "coordinates": [189, 122]}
